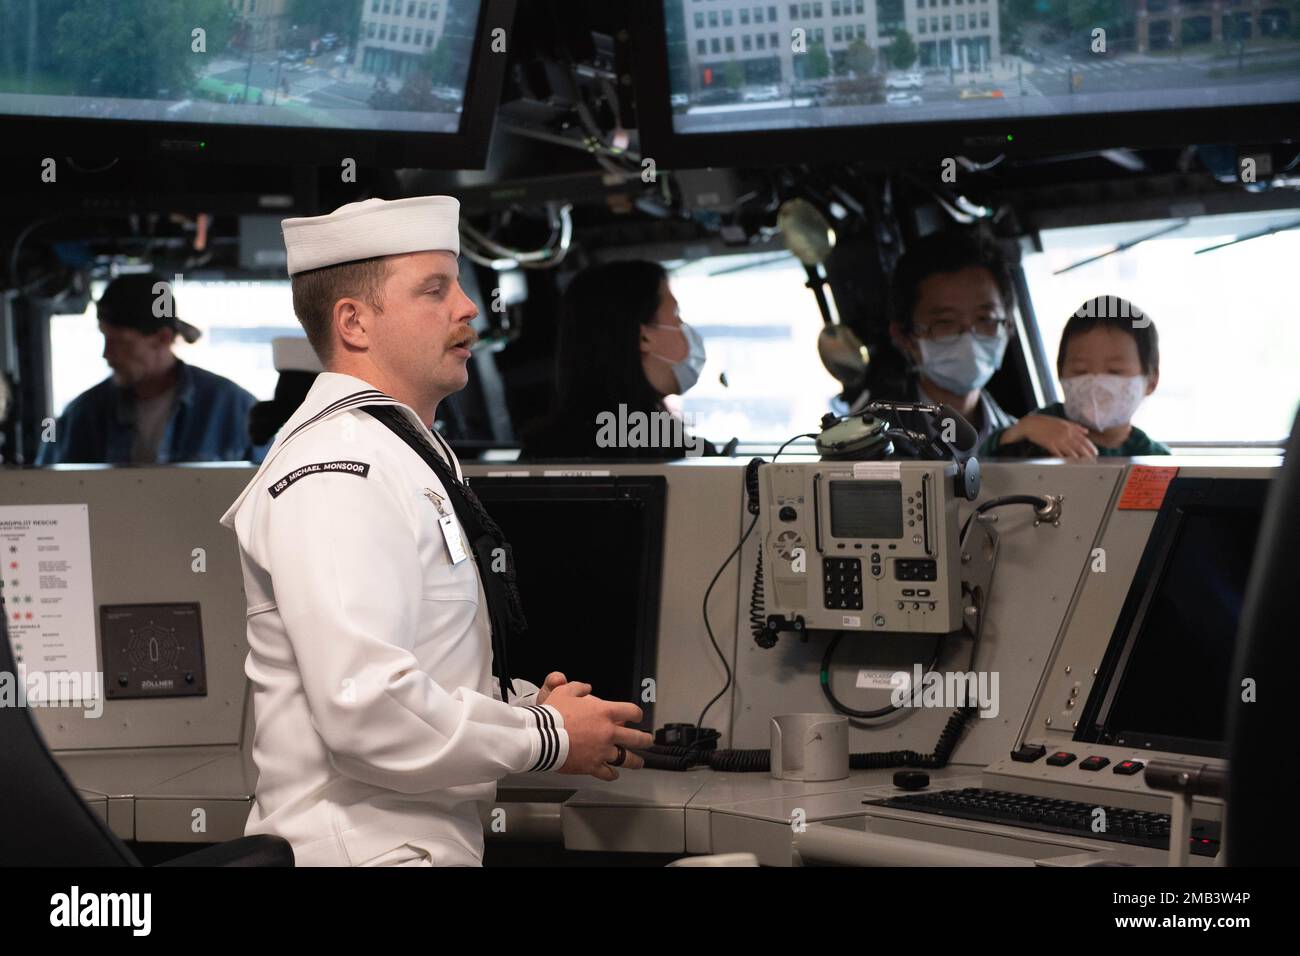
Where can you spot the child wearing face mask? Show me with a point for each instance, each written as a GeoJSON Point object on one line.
{"type": "Point", "coordinates": [1108, 362]}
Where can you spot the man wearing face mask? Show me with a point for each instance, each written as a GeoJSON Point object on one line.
{"type": "Point", "coordinates": [952, 301]}
{"type": "Point", "coordinates": [622, 349]}
{"type": "Point", "coordinates": [1109, 361]}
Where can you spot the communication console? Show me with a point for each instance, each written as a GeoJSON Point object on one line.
{"type": "Point", "coordinates": [869, 538]}
{"type": "Point", "coordinates": [862, 545]}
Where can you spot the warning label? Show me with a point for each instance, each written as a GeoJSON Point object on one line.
{"type": "Point", "coordinates": [1145, 488]}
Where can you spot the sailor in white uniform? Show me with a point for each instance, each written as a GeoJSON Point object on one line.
{"type": "Point", "coordinates": [380, 730]}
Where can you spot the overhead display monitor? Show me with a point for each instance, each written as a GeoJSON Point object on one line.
{"type": "Point", "coordinates": [739, 67]}
{"type": "Point", "coordinates": [197, 73]}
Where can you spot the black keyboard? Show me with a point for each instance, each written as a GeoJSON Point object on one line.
{"type": "Point", "coordinates": [1134, 827]}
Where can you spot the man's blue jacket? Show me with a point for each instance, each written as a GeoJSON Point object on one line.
{"type": "Point", "coordinates": [209, 422]}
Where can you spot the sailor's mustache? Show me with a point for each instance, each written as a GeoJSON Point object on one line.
{"type": "Point", "coordinates": [466, 339]}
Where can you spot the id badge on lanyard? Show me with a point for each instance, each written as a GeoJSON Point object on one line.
{"type": "Point", "coordinates": [456, 548]}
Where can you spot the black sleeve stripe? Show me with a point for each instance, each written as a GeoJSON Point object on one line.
{"type": "Point", "coordinates": [538, 724]}
{"type": "Point", "coordinates": [550, 738]}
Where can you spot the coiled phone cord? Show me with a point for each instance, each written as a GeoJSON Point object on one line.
{"type": "Point", "coordinates": [757, 619]}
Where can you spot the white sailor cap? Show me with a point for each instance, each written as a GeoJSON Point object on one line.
{"type": "Point", "coordinates": [375, 227]}
{"type": "Point", "coordinates": [293, 353]}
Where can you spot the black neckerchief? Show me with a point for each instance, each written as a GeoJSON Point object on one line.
{"type": "Point", "coordinates": [505, 610]}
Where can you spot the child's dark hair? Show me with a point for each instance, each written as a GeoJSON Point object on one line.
{"type": "Point", "coordinates": [1112, 312]}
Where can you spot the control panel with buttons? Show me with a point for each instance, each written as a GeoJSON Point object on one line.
{"type": "Point", "coordinates": [922, 569]}
{"type": "Point", "coordinates": [868, 546]}
{"type": "Point", "coordinates": [842, 578]}
{"type": "Point", "coordinates": [152, 650]}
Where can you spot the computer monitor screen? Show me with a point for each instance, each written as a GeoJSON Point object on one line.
{"type": "Point", "coordinates": [400, 67]}
{"type": "Point", "coordinates": [588, 558]}
{"type": "Point", "coordinates": [1165, 682]}
{"type": "Point", "coordinates": [737, 66]}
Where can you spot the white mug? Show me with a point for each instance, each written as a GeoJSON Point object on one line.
{"type": "Point", "coordinates": [810, 747]}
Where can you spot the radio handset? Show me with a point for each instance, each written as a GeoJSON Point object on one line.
{"type": "Point", "coordinates": [947, 421]}
{"type": "Point", "coordinates": [753, 504]}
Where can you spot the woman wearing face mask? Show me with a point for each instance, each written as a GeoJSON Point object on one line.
{"type": "Point", "coordinates": [622, 347]}
{"type": "Point", "coordinates": [1109, 361]}
{"type": "Point", "coordinates": [952, 303]}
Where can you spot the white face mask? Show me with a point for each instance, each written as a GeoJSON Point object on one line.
{"type": "Point", "coordinates": [687, 371]}
{"type": "Point", "coordinates": [1103, 401]}
{"type": "Point", "coordinates": [965, 363]}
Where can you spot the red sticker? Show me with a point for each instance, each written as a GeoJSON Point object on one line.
{"type": "Point", "coordinates": [1145, 488]}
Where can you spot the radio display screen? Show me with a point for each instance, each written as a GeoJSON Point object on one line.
{"type": "Point", "coordinates": [866, 509]}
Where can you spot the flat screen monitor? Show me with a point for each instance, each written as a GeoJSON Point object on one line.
{"type": "Point", "coordinates": [588, 559]}
{"type": "Point", "coordinates": [736, 82]}
{"type": "Point", "coordinates": [255, 80]}
{"type": "Point", "coordinates": [1165, 680]}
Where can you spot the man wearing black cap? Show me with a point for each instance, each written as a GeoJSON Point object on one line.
{"type": "Point", "coordinates": [154, 408]}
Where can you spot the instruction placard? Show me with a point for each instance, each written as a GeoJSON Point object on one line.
{"type": "Point", "coordinates": [46, 588]}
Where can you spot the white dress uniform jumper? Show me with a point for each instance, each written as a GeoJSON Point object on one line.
{"type": "Point", "coordinates": [380, 731]}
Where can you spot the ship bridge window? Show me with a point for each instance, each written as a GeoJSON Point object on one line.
{"type": "Point", "coordinates": [1226, 317]}
{"type": "Point", "coordinates": [760, 325]}
{"type": "Point", "coordinates": [238, 319]}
